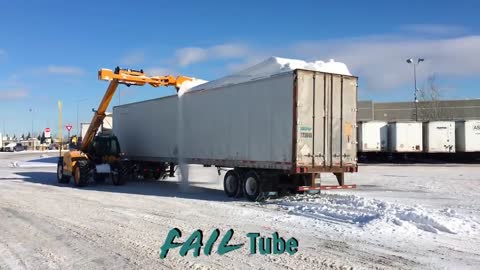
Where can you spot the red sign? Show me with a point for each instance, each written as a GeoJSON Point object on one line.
{"type": "Point", "coordinates": [47, 132]}
{"type": "Point", "coordinates": [69, 127]}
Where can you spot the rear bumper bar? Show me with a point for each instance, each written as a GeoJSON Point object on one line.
{"type": "Point", "coordinates": [306, 188]}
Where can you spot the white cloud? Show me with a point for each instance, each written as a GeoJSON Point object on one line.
{"type": "Point", "coordinates": [435, 29]}
{"type": "Point", "coordinates": [3, 52]}
{"type": "Point", "coordinates": [133, 58]}
{"type": "Point", "coordinates": [190, 55]}
{"type": "Point", "coordinates": [13, 94]}
{"type": "Point", "coordinates": [228, 51]}
{"type": "Point", "coordinates": [64, 70]}
{"type": "Point", "coordinates": [380, 62]}
{"type": "Point", "coordinates": [247, 62]}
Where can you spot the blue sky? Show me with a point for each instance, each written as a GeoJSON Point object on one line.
{"type": "Point", "coordinates": [51, 50]}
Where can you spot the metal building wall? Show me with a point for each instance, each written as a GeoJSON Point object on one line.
{"type": "Point", "coordinates": [405, 111]}
{"type": "Point", "coordinates": [365, 110]}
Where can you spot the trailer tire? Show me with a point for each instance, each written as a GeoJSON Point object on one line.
{"type": "Point", "coordinates": [99, 177]}
{"type": "Point", "coordinates": [232, 183]}
{"type": "Point", "coordinates": [252, 186]}
{"type": "Point", "coordinates": [62, 179]}
{"type": "Point", "coordinates": [120, 177]}
{"type": "Point", "coordinates": [81, 172]}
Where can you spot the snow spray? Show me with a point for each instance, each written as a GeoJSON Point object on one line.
{"type": "Point", "coordinates": [182, 164]}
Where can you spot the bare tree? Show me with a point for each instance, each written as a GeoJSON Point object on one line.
{"type": "Point", "coordinates": [429, 106]}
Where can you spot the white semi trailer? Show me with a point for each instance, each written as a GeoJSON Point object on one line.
{"type": "Point", "coordinates": [372, 136]}
{"type": "Point", "coordinates": [467, 134]}
{"type": "Point", "coordinates": [405, 137]}
{"type": "Point", "coordinates": [439, 137]}
{"type": "Point", "coordinates": [276, 133]}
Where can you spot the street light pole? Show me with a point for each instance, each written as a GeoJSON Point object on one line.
{"type": "Point", "coordinates": [410, 61]}
{"type": "Point", "coordinates": [31, 134]}
{"type": "Point", "coordinates": [416, 90]}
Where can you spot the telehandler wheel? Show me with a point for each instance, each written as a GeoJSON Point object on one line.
{"type": "Point", "coordinates": [62, 179]}
{"type": "Point", "coordinates": [81, 173]}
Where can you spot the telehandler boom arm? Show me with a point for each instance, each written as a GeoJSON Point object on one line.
{"type": "Point", "coordinates": [127, 77]}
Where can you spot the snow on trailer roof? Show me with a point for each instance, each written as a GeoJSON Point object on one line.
{"type": "Point", "coordinates": [269, 67]}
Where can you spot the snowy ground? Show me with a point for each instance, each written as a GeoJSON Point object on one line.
{"type": "Point", "coordinates": [400, 217]}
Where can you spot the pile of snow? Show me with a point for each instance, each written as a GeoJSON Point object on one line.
{"type": "Point", "coordinates": [267, 68]}
{"type": "Point", "coordinates": [364, 212]}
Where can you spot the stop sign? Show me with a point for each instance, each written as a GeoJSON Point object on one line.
{"type": "Point", "coordinates": [68, 127]}
{"type": "Point", "coordinates": [47, 132]}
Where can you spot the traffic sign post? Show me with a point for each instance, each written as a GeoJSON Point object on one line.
{"type": "Point", "coordinates": [68, 127]}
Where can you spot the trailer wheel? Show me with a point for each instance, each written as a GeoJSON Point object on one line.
{"type": "Point", "coordinates": [99, 177]}
{"type": "Point", "coordinates": [62, 179]}
{"type": "Point", "coordinates": [81, 173]}
{"type": "Point", "coordinates": [252, 186]}
{"type": "Point", "coordinates": [120, 174]}
{"type": "Point", "coordinates": [232, 183]}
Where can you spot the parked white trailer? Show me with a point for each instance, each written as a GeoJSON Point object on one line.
{"type": "Point", "coordinates": [83, 129]}
{"type": "Point", "coordinates": [439, 137]}
{"type": "Point", "coordinates": [372, 136]}
{"type": "Point", "coordinates": [405, 137]}
{"type": "Point", "coordinates": [106, 127]}
{"type": "Point", "coordinates": [276, 130]}
{"type": "Point", "coordinates": [467, 136]}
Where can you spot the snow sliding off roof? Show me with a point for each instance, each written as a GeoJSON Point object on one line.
{"type": "Point", "coordinates": [272, 66]}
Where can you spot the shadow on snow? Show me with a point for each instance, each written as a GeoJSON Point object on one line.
{"type": "Point", "coordinates": [149, 187]}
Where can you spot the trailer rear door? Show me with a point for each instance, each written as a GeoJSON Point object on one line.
{"type": "Point", "coordinates": [304, 125]}
{"type": "Point", "coordinates": [326, 119]}
{"type": "Point", "coordinates": [348, 120]}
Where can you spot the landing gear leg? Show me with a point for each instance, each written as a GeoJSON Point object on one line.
{"type": "Point", "coordinates": [340, 178]}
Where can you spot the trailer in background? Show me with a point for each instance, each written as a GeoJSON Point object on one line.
{"type": "Point", "coordinates": [405, 137]}
{"type": "Point", "coordinates": [467, 135]}
{"type": "Point", "coordinates": [439, 136]}
{"type": "Point", "coordinates": [372, 136]}
{"type": "Point", "coordinates": [276, 133]}
{"type": "Point", "coordinates": [106, 127]}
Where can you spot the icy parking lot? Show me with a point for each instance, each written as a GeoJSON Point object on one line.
{"type": "Point", "coordinates": [400, 217]}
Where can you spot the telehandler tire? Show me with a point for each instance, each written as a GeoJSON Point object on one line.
{"type": "Point", "coordinates": [81, 173]}
{"type": "Point", "coordinates": [61, 178]}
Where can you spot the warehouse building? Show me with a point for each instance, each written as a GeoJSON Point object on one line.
{"type": "Point", "coordinates": [405, 111]}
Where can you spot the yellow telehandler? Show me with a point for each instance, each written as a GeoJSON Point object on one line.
{"type": "Point", "coordinates": [99, 155]}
